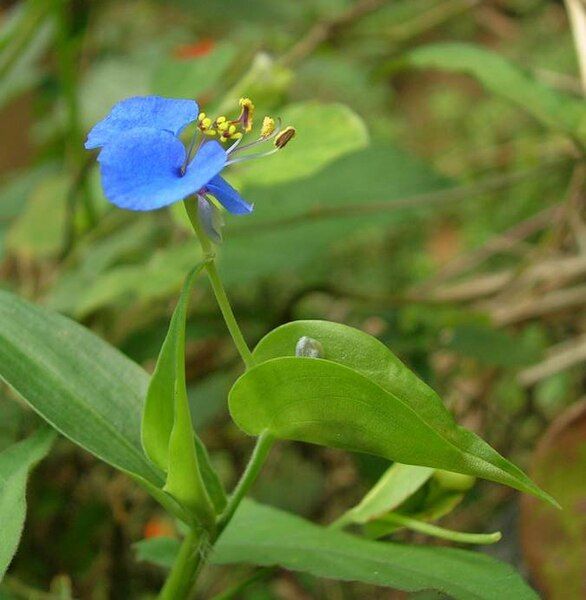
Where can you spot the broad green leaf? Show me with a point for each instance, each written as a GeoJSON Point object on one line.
{"type": "Point", "coordinates": [359, 397]}
{"type": "Point", "coordinates": [492, 347]}
{"type": "Point", "coordinates": [15, 464]}
{"type": "Point", "coordinates": [192, 77]}
{"type": "Point", "coordinates": [168, 436]}
{"type": "Point", "coordinates": [393, 488]}
{"type": "Point", "coordinates": [160, 551]}
{"type": "Point", "coordinates": [503, 78]}
{"type": "Point", "coordinates": [32, 235]}
{"type": "Point", "coordinates": [82, 386]}
{"type": "Point", "coordinates": [93, 257]}
{"type": "Point", "coordinates": [325, 132]}
{"type": "Point", "coordinates": [265, 536]}
{"type": "Point", "coordinates": [309, 222]}
{"type": "Point", "coordinates": [161, 275]}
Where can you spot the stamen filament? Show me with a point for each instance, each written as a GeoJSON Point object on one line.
{"type": "Point", "coordinates": [260, 140]}
{"type": "Point", "coordinates": [251, 156]}
{"type": "Point", "coordinates": [190, 150]}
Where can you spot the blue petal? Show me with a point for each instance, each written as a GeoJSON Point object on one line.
{"type": "Point", "coordinates": [141, 170]}
{"type": "Point", "coordinates": [228, 197]}
{"type": "Point", "coordinates": [167, 114]}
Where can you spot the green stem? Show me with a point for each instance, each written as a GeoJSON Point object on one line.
{"type": "Point", "coordinates": [264, 443]}
{"type": "Point", "coordinates": [193, 552]}
{"type": "Point", "coordinates": [218, 286]}
{"type": "Point", "coordinates": [186, 568]}
{"type": "Point", "coordinates": [68, 50]}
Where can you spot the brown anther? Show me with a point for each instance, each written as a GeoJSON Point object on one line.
{"type": "Point", "coordinates": [284, 137]}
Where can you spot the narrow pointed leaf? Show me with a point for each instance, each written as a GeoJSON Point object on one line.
{"type": "Point", "coordinates": [167, 432]}
{"type": "Point", "coordinates": [15, 464]}
{"type": "Point", "coordinates": [264, 536]}
{"type": "Point", "coordinates": [505, 79]}
{"type": "Point", "coordinates": [82, 386]}
{"type": "Point", "coordinates": [394, 487]}
{"type": "Point", "coordinates": [359, 397]}
{"type": "Point", "coordinates": [399, 520]}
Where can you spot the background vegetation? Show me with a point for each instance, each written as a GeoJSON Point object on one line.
{"type": "Point", "coordinates": [434, 197]}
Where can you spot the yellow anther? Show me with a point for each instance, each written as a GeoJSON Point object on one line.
{"type": "Point", "coordinates": [210, 132]}
{"type": "Point", "coordinates": [246, 113]}
{"type": "Point", "coordinates": [237, 135]}
{"type": "Point", "coordinates": [206, 122]}
{"type": "Point", "coordinates": [220, 120]}
{"type": "Point", "coordinates": [223, 138]}
{"type": "Point", "coordinates": [201, 117]}
{"type": "Point", "coordinates": [232, 129]}
{"type": "Point", "coordinates": [284, 137]}
{"type": "Point", "coordinates": [223, 126]}
{"type": "Point", "coordinates": [268, 126]}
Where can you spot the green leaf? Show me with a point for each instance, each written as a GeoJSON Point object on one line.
{"type": "Point", "coordinates": [359, 397]}
{"type": "Point", "coordinates": [431, 504]}
{"type": "Point", "coordinates": [160, 551]}
{"type": "Point", "coordinates": [503, 78]}
{"type": "Point", "coordinates": [32, 235]}
{"type": "Point", "coordinates": [168, 436]}
{"type": "Point", "coordinates": [397, 519]}
{"type": "Point", "coordinates": [82, 386]}
{"type": "Point", "coordinates": [265, 536]}
{"type": "Point", "coordinates": [194, 77]}
{"type": "Point", "coordinates": [308, 223]}
{"type": "Point", "coordinates": [325, 132]}
{"type": "Point", "coordinates": [15, 464]}
{"type": "Point", "coordinates": [492, 347]}
{"type": "Point", "coordinates": [393, 488]}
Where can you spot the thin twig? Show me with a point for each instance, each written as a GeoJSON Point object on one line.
{"type": "Point", "coordinates": [324, 30]}
{"type": "Point", "coordinates": [561, 357]}
{"type": "Point", "coordinates": [496, 245]}
{"type": "Point", "coordinates": [577, 15]}
{"type": "Point", "coordinates": [549, 274]}
{"type": "Point", "coordinates": [528, 308]}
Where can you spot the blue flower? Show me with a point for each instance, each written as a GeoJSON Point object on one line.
{"type": "Point", "coordinates": [145, 166]}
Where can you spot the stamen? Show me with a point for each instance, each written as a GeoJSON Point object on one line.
{"type": "Point", "coordinates": [285, 137]}
{"type": "Point", "coordinates": [251, 156]}
{"type": "Point", "coordinates": [234, 130]}
{"type": "Point", "coordinates": [246, 114]}
{"type": "Point", "coordinates": [189, 151]}
{"type": "Point", "coordinates": [261, 139]}
{"type": "Point", "coordinates": [268, 126]}
{"type": "Point", "coordinates": [234, 145]}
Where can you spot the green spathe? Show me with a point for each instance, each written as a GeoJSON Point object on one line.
{"type": "Point", "coordinates": [167, 432]}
